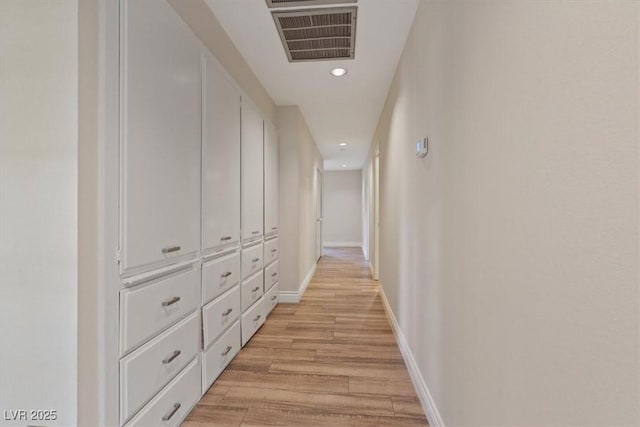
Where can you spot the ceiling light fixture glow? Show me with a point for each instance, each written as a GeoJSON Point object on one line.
{"type": "Point", "coordinates": [338, 72]}
{"type": "Point", "coordinates": [344, 166]}
{"type": "Point", "coordinates": [343, 144]}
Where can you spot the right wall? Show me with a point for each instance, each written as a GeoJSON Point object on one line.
{"type": "Point", "coordinates": [510, 254]}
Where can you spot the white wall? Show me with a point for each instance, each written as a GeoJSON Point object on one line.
{"type": "Point", "coordinates": [342, 208]}
{"type": "Point", "coordinates": [510, 254]}
{"type": "Point", "coordinates": [298, 162]}
{"type": "Point", "coordinates": [38, 202]}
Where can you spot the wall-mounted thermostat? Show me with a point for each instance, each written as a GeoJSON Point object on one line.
{"type": "Point", "coordinates": [422, 147]}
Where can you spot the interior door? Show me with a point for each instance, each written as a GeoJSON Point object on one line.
{"type": "Point", "coordinates": [318, 214]}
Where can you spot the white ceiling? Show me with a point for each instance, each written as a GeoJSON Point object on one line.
{"type": "Point", "coordinates": [337, 110]}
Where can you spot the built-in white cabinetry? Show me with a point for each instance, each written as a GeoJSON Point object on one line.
{"type": "Point", "coordinates": [220, 157]}
{"type": "Point", "coordinates": [196, 198]}
{"type": "Point", "coordinates": [270, 179]}
{"type": "Point", "coordinates": [252, 147]}
{"type": "Point", "coordinates": [160, 137]}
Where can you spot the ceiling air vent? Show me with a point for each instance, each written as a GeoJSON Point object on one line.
{"type": "Point", "coordinates": [317, 34]}
{"type": "Point", "coordinates": [296, 3]}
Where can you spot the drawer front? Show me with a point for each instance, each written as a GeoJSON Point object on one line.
{"type": "Point", "coordinates": [219, 275]}
{"type": "Point", "coordinates": [150, 308]}
{"type": "Point", "coordinates": [251, 321]}
{"type": "Point", "coordinates": [219, 314]}
{"type": "Point", "coordinates": [145, 371]}
{"type": "Point", "coordinates": [252, 260]}
{"type": "Point", "coordinates": [271, 299]}
{"type": "Point", "coordinates": [271, 276]}
{"type": "Point", "coordinates": [219, 356]}
{"type": "Point", "coordinates": [270, 251]}
{"type": "Point", "coordinates": [172, 405]}
{"type": "Point", "coordinates": [252, 290]}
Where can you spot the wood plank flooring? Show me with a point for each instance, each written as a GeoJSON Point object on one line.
{"type": "Point", "coordinates": [331, 360]}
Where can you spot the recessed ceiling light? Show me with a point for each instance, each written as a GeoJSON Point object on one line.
{"type": "Point", "coordinates": [344, 166]}
{"type": "Point", "coordinates": [338, 72]}
{"type": "Point", "coordinates": [343, 144]}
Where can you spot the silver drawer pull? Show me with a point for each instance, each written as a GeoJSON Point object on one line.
{"type": "Point", "coordinates": [228, 312]}
{"type": "Point", "coordinates": [224, 353]}
{"type": "Point", "coordinates": [168, 416]}
{"type": "Point", "coordinates": [255, 319]}
{"type": "Point", "coordinates": [225, 238]}
{"type": "Point", "coordinates": [225, 275]}
{"type": "Point", "coordinates": [170, 249]}
{"type": "Point", "coordinates": [170, 302]}
{"type": "Point", "coordinates": [255, 232]}
{"type": "Point", "coordinates": [256, 289]}
{"type": "Point", "coordinates": [273, 298]}
{"type": "Point", "coordinates": [274, 228]}
{"type": "Point", "coordinates": [255, 260]}
{"type": "Point", "coordinates": [274, 274]}
{"type": "Point", "coordinates": [172, 357]}
{"type": "Point", "coordinates": [273, 251]}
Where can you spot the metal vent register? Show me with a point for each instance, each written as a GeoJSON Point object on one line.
{"type": "Point", "coordinates": [296, 3]}
{"type": "Point", "coordinates": [317, 34]}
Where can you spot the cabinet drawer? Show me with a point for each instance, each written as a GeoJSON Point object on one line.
{"type": "Point", "coordinates": [148, 369]}
{"type": "Point", "coordinates": [252, 290]}
{"type": "Point", "coordinates": [219, 314]}
{"type": "Point", "coordinates": [150, 308]}
{"type": "Point", "coordinates": [271, 276]}
{"type": "Point", "coordinates": [219, 275]}
{"type": "Point", "coordinates": [252, 260]}
{"type": "Point", "coordinates": [270, 251]}
{"type": "Point", "coordinates": [219, 356]}
{"type": "Point", "coordinates": [271, 299]}
{"type": "Point", "coordinates": [174, 402]}
{"type": "Point", "coordinates": [251, 321]}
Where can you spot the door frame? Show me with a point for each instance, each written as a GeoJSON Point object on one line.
{"type": "Point", "coordinates": [318, 215]}
{"type": "Point", "coordinates": [376, 216]}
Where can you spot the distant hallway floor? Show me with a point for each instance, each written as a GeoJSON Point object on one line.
{"type": "Point", "coordinates": [331, 360]}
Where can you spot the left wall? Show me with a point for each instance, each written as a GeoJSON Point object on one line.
{"type": "Point", "coordinates": [38, 217]}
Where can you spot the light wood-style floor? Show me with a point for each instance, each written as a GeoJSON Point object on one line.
{"type": "Point", "coordinates": [331, 360]}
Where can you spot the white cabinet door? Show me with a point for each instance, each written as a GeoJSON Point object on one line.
{"type": "Point", "coordinates": [252, 172]}
{"type": "Point", "coordinates": [270, 179]}
{"type": "Point", "coordinates": [160, 137]}
{"type": "Point", "coordinates": [220, 158]}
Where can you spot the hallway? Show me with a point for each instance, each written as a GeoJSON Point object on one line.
{"type": "Point", "coordinates": [331, 360]}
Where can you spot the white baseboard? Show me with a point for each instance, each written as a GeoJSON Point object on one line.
{"type": "Point", "coordinates": [428, 404]}
{"type": "Point", "coordinates": [341, 244]}
{"type": "Point", "coordinates": [294, 297]}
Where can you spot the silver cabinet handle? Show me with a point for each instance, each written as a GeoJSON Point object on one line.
{"type": "Point", "coordinates": [257, 318]}
{"type": "Point", "coordinates": [256, 289]}
{"type": "Point", "coordinates": [255, 260]}
{"type": "Point", "coordinates": [274, 228]}
{"type": "Point", "coordinates": [225, 275]}
{"type": "Point", "coordinates": [255, 232]}
{"type": "Point", "coordinates": [170, 302]}
{"type": "Point", "coordinates": [225, 238]}
{"type": "Point", "coordinates": [170, 249]}
{"type": "Point", "coordinates": [274, 274]}
{"type": "Point", "coordinates": [273, 298]}
{"type": "Point", "coordinates": [172, 357]}
{"type": "Point", "coordinates": [273, 251]}
{"type": "Point", "coordinates": [168, 416]}
{"type": "Point", "coordinates": [228, 312]}
{"type": "Point", "coordinates": [224, 353]}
